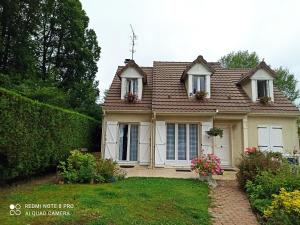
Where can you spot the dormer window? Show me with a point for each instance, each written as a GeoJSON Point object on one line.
{"type": "Point", "coordinates": [262, 88]}
{"type": "Point", "coordinates": [198, 83]}
{"type": "Point", "coordinates": [132, 86]}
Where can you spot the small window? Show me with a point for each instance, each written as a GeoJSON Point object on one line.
{"type": "Point", "coordinates": [128, 142]}
{"type": "Point", "coordinates": [262, 88]}
{"type": "Point", "coordinates": [171, 141]}
{"type": "Point", "coordinates": [132, 85]}
{"type": "Point", "coordinates": [198, 83]}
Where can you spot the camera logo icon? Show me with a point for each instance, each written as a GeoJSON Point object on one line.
{"type": "Point", "coordinates": [15, 209]}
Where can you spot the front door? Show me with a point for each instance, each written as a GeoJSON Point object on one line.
{"type": "Point", "coordinates": [222, 146]}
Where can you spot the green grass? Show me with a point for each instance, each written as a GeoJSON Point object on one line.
{"type": "Point", "coordinates": [132, 201]}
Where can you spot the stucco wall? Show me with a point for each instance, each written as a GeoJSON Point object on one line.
{"type": "Point", "coordinates": [289, 130]}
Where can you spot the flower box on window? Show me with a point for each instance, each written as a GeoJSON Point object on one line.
{"type": "Point", "coordinates": [264, 100]}
{"type": "Point", "coordinates": [130, 97]}
{"type": "Point", "coordinates": [200, 95]}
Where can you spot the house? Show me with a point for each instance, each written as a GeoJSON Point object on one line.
{"type": "Point", "coordinates": [152, 116]}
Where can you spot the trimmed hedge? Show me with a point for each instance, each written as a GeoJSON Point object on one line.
{"type": "Point", "coordinates": [35, 136]}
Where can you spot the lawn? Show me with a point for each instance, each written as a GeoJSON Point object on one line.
{"type": "Point", "coordinates": [131, 201]}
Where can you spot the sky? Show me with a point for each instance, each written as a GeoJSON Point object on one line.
{"type": "Point", "coordinates": [171, 30]}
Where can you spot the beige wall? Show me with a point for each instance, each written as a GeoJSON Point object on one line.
{"type": "Point", "coordinates": [184, 118]}
{"type": "Point", "coordinates": [289, 130]}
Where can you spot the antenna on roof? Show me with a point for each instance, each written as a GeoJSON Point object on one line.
{"type": "Point", "coordinates": [133, 37]}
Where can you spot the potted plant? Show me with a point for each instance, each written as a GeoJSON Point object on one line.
{"type": "Point", "coordinates": [215, 131]}
{"type": "Point", "coordinates": [264, 100]}
{"type": "Point", "coordinates": [206, 166]}
{"type": "Point", "coordinates": [130, 97]}
{"type": "Point", "coordinates": [200, 95]}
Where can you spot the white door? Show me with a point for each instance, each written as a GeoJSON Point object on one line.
{"type": "Point", "coordinates": [207, 141]}
{"type": "Point", "coordinates": [222, 147]}
{"type": "Point", "coordinates": [111, 140]}
{"type": "Point", "coordinates": [144, 143]}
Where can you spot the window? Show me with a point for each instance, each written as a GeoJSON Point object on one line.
{"type": "Point", "coordinates": [170, 141]}
{"type": "Point", "coordinates": [182, 141]}
{"type": "Point", "coordinates": [198, 83]}
{"type": "Point", "coordinates": [262, 88]}
{"type": "Point", "coordinates": [270, 138]}
{"type": "Point", "coordinates": [132, 85]}
{"type": "Point", "coordinates": [128, 142]}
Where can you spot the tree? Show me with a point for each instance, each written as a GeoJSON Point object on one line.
{"type": "Point", "coordinates": [286, 82]}
{"type": "Point", "coordinates": [46, 47]}
{"type": "Point", "coordinates": [240, 59]}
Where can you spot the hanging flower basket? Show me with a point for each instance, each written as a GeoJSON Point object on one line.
{"type": "Point", "coordinates": [200, 95]}
{"type": "Point", "coordinates": [130, 97]}
{"type": "Point", "coordinates": [264, 100]}
{"type": "Point", "coordinates": [215, 131]}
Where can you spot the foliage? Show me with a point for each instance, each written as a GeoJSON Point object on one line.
{"type": "Point", "coordinates": [48, 42]}
{"type": "Point", "coordinates": [35, 136]}
{"type": "Point", "coordinates": [206, 165]}
{"type": "Point", "coordinates": [240, 59]}
{"type": "Point", "coordinates": [254, 162]}
{"type": "Point", "coordinates": [135, 200]}
{"type": "Point", "coordinates": [264, 100]}
{"type": "Point", "coordinates": [285, 203]}
{"type": "Point", "coordinates": [266, 184]}
{"type": "Point", "coordinates": [287, 83]}
{"type": "Point", "coordinates": [215, 131]}
{"type": "Point", "coordinates": [200, 95]}
{"type": "Point", "coordinates": [79, 168]}
{"type": "Point", "coordinates": [85, 168]}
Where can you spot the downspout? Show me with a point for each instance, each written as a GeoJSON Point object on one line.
{"type": "Point", "coordinates": [103, 134]}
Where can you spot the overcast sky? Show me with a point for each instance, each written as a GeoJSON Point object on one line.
{"type": "Point", "coordinates": [181, 30]}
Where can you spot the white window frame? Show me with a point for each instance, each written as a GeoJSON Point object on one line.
{"type": "Point", "coordinates": [198, 77]}
{"type": "Point", "coordinates": [128, 143]}
{"type": "Point", "coordinates": [187, 160]}
{"type": "Point", "coordinates": [130, 82]}
{"type": "Point", "coordinates": [206, 84]}
{"type": "Point", "coordinates": [254, 89]}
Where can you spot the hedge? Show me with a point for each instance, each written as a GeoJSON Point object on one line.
{"type": "Point", "coordinates": [35, 136]}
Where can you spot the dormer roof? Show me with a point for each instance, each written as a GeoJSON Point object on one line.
{"type": "Point", "coordinates": [132, 64]}
{"type": "Point", "coordinates": [200, 60]}
{"type": "Point", "coordinates": [262, 65]}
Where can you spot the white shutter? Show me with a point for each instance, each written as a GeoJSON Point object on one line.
{"type": "Point", "coordinates": [276, 139]}
{"type": "Point", "coordinates": [111, 140]}
{"type": "Point", "coordinates": [207, 141]}
{"type": "Point", "coordinates": [144, 144]}
{"type": "Point", "coordinates": [160, 143]}
{"type": "Point", "coordinates": [263, 138]}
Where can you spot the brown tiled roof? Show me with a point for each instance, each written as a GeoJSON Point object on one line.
{"type": "Point", "coordinates": [261, 65]}
{"type": "Point", "coordinates": [165, 92]}
{"type": "Point", "coordinates": [113, 100]}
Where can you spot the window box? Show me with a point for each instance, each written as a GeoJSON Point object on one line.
{"type": "Point", "coordinates": [264, 100]}
{"type": "Point", "coordinates": [200, 95]}
{"type": "Point", "coordinates": [131, 98]}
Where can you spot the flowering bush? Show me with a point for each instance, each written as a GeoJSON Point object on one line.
{"type": "Point", "coordinates": [206, 165]}
{"type": "Point", "coordinates": [285, 208]}
{"type": "Point", "coordinates": [253, 162]}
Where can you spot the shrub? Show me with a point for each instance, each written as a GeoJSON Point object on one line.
{"type": "Point", "coordinates": [200, 95]}
{"type": "Point", "coordinates": [84, 168]}
{"type": "Point", "coordinates": [285, 208]}
{"type": "Point", "coordinates": [254, 162]}
{"type": "Point", "coordinates": [267, 184]}
{"type": "Point", "coordinates": [79, 168]}
{"type": "Point", "coordinates": [35, 136]}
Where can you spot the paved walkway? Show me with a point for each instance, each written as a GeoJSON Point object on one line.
{"type": "Point", "coordinates": [230, 205]}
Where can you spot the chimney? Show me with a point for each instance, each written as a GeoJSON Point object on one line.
{"type": "Point", "coordinates": [127, 61]}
